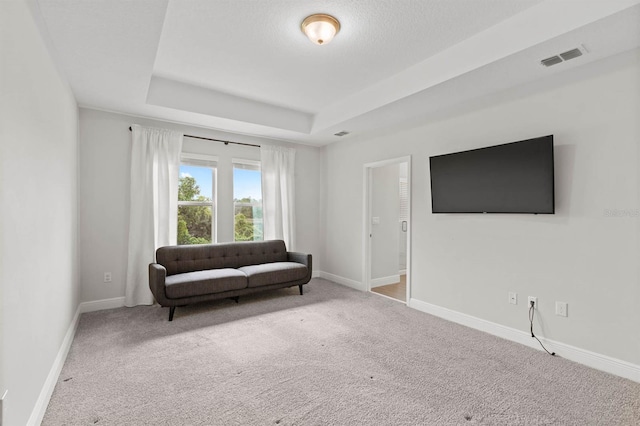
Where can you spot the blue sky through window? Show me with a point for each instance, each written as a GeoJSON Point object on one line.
{"type": "Point", "coordinates": [203, 177]}
{"type": "Point", "coordinates": [247, 183]}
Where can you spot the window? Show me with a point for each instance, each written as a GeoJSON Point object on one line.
{"type": "Point", "coordinates": [247, 200]}
{"type": "Point", "coordinates": [196, 200]}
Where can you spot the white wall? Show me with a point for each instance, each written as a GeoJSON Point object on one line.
{"type": "Point", "coordinates": [38, 211]}
{"type": "Point", "coordinates": [385, 240]}
{"type": "Point", "coordinates": [104, 193]}
{"type": "Point", "coordinates": [580, 255]}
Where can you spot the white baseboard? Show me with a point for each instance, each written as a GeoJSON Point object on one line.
{"type": "Point", "coordinates": [402, 272]}
{"type": "Point", "coordinates": [49, 385]}
{"type": "Point", "coordinates": [315, 274]}
{"type": "Point", "coordinates": [379, 282]}
{"type": "Point", "coordinates": [52, 378]}
{"type": "Point", "coordinates": [598, 361]}
{"type": "Point", "coordinates": [40, 407]}
{"type": "Point", "coordinates": [341, 280]}
{"type": "Point", "coordinates": [100, 305]}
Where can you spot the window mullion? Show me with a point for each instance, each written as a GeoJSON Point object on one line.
{"type": "Point", "coordinates": [195, 203]}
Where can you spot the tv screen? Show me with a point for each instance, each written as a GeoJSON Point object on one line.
{"type": "Point", "coordinates": [515, 177]}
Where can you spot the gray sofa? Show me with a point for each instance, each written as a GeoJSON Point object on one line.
{"type": "Point", "coordinates": [197, 273]}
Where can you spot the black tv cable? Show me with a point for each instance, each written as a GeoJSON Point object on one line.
{"type": "Point", "coordinates": [531, 313]}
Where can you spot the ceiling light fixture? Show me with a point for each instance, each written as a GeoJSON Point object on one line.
{"type": "Point", "coordinates": [320, 28]}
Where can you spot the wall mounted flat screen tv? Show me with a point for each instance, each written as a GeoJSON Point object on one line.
{"type": "Point", "coordinates": [515, 177]}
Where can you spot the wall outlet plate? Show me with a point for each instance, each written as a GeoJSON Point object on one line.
{"type": "Point", "coordinates": [513, 298]}
{"type": "Point", "coordinates": [534, 300]}
{"type": "Point", "coordinates": [562, 309]}
{"type": "Point", "coordinates": [107, 277]}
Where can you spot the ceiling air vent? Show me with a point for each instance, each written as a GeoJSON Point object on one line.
{"type": "Point", "coordinates": [570, 54]}
{"type": "Point", "coordinates": [342, 133]}
{"type": "Point", "coordinates": [551, 61]}
{"type": "Point", "coordinates": [566, 56]}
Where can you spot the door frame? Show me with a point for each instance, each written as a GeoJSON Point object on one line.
{"type": "Point", "coordinates": [367, 225]}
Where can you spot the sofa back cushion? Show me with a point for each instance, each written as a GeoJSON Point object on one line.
{"type": "Point", "coordinates": [199, 257]}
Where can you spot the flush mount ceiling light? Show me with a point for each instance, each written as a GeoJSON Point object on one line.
{"type": "Point", "coordinates": [320, 28]}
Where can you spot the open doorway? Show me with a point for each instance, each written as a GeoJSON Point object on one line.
{"type": "Point", "coordinates": [387, 228]}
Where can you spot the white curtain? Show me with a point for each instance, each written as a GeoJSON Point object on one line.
{"type": "Point", "coordinates": [277, 165]}
{"type": "Point", "coordinates": [155, 164]}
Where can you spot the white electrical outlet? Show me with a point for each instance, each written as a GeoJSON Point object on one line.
{"type": "Point", "coordinates": [534, 300]}
{"type": "Point", "coordinates": [107, 277]}
{"type": "Point", "coordinates": [513, 298]}
{"type": "Point", "coordinates": [562, 309]}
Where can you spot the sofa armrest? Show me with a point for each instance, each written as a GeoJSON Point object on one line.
{"type": "Point", "coordinates": [303, 258]}
{"type": "Point", "coordinates": [157, 276]}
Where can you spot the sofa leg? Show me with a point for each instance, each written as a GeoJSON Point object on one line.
{"type": "Point", "coordinates": [301, 292]}
{"type": "Point", "coordinates": [172, 309]}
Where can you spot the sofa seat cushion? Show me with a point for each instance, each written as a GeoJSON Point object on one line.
{"type": "Point", "coordinates": [204, 282]}
{"type": "Point", "coordinates": [274, 273]}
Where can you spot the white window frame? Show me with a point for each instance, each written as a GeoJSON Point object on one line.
{"type": "Point", "coordinates": [210, 161]}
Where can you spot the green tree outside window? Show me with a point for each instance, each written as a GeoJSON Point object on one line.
{"type": "Point", "coordinates": [194, 222]}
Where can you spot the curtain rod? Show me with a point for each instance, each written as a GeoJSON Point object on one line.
{"type": "Point", "coordinates": [218, 140]}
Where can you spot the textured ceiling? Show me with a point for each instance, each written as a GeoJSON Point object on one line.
{"type": "Point", "coordinates": [244, 66]}
{"type": "Point", "coordinates": [256, 49]}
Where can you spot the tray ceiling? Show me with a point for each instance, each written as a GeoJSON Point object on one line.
{"type": "Point", "coordinates": [244, 66]}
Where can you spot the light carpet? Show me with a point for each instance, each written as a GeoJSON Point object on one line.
{"type": "Point", "coordinates": [334, 356]}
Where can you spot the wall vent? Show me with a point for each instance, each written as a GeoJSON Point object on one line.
{"type": "Point", "coordinates": [551, 61]}
{"type": "Point", "coordinates": [570, 54]}
{"type": "Point", "coordinates": [565, 56]}
{"type": "Point", "coordinates": [342, 133]}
